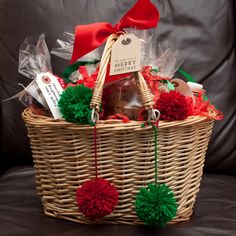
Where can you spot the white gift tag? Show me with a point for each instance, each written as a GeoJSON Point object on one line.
{"type": "Point", "coordinates": [51, 90]}
{"type": "Point", "coordinates": [125, 55]}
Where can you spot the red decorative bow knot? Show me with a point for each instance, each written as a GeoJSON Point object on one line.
{"type": "Point", "coordinates": [143, 15]}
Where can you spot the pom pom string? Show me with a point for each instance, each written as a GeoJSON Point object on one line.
{"type": "Point", "coordinates": [154, 125]}
{"type": "Point", "coordinates": [96, 197]}
{"type": "Point", "coordinates": [156, 205]}
{"type": "Point", "coordinates": [155, 149]}
{"type": "Point", "coordinates": [95, 150]}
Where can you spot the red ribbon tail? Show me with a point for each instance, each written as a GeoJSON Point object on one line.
{"type": "Point", "coordinates": [143, 15]}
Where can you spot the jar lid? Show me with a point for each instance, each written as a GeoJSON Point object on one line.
{"type": "Point", "coordinates": [195, 86]}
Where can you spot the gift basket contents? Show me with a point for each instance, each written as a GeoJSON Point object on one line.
{"type": "Point", "coordinates": [116, 138]}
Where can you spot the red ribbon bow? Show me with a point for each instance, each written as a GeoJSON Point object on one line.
{"type": "Point", "coordinates": [143, 15]}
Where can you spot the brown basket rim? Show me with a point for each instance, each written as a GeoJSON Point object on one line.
{"type": "Point", "coordinates": [30, 118]}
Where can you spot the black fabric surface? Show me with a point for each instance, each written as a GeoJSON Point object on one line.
{"type": "Point", "coordinates": [21, 211]}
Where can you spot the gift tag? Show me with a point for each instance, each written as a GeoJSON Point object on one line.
{"type": "Point", "coordinates": [51, 90]}
{"type": "Point", "coordinates": [125, 55]}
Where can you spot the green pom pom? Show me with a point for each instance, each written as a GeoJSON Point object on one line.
{"type": "Point", "coordinates": [74, 104]}
{"type": "Point", "coordinates": [156, 205]}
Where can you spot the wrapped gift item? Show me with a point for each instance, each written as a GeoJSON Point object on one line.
{"type": "Point", "coordinates": [35, 63]}
{"type": "Point", "coordinates": [121, 97]}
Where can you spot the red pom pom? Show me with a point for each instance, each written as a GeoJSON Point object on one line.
{"type": "Point", "coordinates": [97, 198]}
{"type": "Point", "coordinates": [173, 106]}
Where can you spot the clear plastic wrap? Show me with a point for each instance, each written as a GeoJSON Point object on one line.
{"type": "Point", "coordinates": [64, 48]}
{"type": "Point", "coordinates": [147, 52]}
{"type": "Point", "coordinates": [164, 56]}
{"type": "Point", "coordinates": [34, 57]}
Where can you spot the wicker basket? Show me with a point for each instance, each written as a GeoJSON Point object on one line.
{"type": "Point", "coordinates": [64, 159]}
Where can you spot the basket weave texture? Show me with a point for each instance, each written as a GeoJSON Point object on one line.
{"type": "Point", "coordinates": [64, 159]}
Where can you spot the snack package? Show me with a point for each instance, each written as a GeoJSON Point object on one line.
{"type": "Point", "coordinates": [161, 66]}
{"type": "Point", "coordinates": [45, 89]}
{"type": "Point", "coordinates": [121, 97]}
{"type": "Point", "coordinates": [34, 58]}
{"type": "Point", "coordinates": [35, 62]}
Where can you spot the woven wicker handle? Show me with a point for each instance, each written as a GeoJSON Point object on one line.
{"type": "Point", "coordinates": [98, 88]}
{"type": "Point", "coordinates": [145, 94]}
